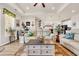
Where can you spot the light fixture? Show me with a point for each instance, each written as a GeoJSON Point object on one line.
{"type": "Point", "coordinates": [27, 8]}
{"type": "Point", "coordinates": [73, 11]}
{"type": "Point", "coordinates": [53, 8]}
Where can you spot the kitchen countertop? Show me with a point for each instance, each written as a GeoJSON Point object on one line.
{"type": "Point", "coordinates": [37, 42]}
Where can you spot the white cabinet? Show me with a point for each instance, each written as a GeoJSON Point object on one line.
{"type": "Point", "coordinates": [47, 47]}
{"type": "Point", "coordinates": [46, 50]}
{"type": "Point", "coordinates": [34, 46]}
{"type": "Point", "coordinates": [75, 22]}
{"type": "Point", "coordinates": [34, 52]}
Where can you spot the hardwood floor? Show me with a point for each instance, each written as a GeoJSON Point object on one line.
{"type": "Point", "coordinates": [17, 49]}
{"type": "Point", "coordinates": [11, 49]}
{"type": "Point", "coordinates": [60, 50]}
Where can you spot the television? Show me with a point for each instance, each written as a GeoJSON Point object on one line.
{"type": "Point", "coordinates": [27, 23]}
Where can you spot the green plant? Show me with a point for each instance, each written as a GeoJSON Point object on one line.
{"type": "Point", "coordinates": [58, 29]}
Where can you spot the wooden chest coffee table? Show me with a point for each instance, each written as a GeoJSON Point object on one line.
{"type": "Point", "coordinates": [36, 48]}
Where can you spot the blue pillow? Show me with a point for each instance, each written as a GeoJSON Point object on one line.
{"type": "Point", "coordinates": [69, 36]}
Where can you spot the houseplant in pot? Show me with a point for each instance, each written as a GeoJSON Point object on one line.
{"type": "Point", "coordinates": [58, 30]}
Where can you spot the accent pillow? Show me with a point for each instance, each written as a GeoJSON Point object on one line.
{"type": "Point", "coordinates": [30, 33]}
{"type": "Point", "coordinates": [69, 36]}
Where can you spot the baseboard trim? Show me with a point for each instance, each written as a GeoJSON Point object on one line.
{"type": "Point", "coordinates": [69, 50]}
{"type": "Point", "coordinates": [4, 44]}
{"type": "Point", "coordinates": [7, 43]}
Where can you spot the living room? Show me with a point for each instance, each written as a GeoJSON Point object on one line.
{"type": "Point", "coordinates": [39, 28]}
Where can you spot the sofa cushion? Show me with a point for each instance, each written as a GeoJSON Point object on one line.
{"type": "Point", "coordinates": [75, 44]}
{"type": "Point", "coordinates": [76, 37]}
{"type": "Point", "coordinates": [66, 40]}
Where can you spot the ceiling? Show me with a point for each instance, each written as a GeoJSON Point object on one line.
{"type": "Point", "coordinates": [61, 10]}
{"type": "Point", "coordinates": [39, 8]}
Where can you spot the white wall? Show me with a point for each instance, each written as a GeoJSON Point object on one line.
{"type": "Point", "coordinates": [3, 39]}
{"type": "Point", "coordinates": [2, 30]}
{"type": "Point", "coordinates": [33, 21]}
{"type": "Point", "coordinates": [68, 22]}
{"type": "Point", "coordinates": [0, 26]}
{"type": "Point", "coordinates": [45, 19]}
{"type": "Point", "coordinates": [48, 20]}
{"type": "Point", "coordinates": [76, 20]}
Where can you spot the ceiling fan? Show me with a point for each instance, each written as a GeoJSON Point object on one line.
{"type": "Point", "coordinates": [41, 3]}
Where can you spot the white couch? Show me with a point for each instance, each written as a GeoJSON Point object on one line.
{"type": "Point", "coordinates": [72, 45]}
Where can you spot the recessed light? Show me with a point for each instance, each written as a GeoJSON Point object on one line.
{"type": "Point", "coordinates": [53, 8]}
{"type": "Point", "coordinates": [73, 11]}
{"type": "Point", "coordinates": [27, 8]}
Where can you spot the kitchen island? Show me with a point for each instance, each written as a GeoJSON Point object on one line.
{"type": "Point", "coordinates": [38, 48]}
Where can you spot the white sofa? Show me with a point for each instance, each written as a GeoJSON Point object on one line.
{"type": "Point", "coordinates": [72, 45]}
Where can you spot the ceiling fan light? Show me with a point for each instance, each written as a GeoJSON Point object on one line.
{"type": "Point", "coordinates": [27, 8]}
{"type": "Point", "coordinates": [53, 8]}
{"type": "Point", "coordinates": [73, 11]}
{"type": "Point", "coordinates": [35, 4]}
{"type": "Point", "coordinates": [43, 5]}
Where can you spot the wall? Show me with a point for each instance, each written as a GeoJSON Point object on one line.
{"type": "Point", "coordinates": [3, 38]}
{"type": "Point", "coordinates": [48, 20]}
{"type": "Point", "coordinates": [45, 20]}
{"type": "Point", "coordinates": [74, 23]}
{"type": "Point", "coordinates": [33, 23]}
{"type": "Point", "coordinates": [75, 19]}
{"type": "Point", "coordinates": [2, 29]}
{"type": "Point", "coordinates": [0, 26]}
{"type": "Point", "coordinates": [68, 22]}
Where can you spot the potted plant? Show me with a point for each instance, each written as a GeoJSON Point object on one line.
{"type": "Point", "coordinates": [58, 29]}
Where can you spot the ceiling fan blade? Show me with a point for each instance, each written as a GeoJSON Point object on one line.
{"type": "Point", "coordinates": [43, 5]}
{"type": "Point", "coordinates": [35, 4]}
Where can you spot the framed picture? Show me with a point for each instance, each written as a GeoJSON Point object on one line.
{"type": "Point", "coordinates": [27, 23]}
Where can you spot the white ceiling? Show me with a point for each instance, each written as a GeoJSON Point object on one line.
{"type": "Point", "coordinates": [61, 10]}
{"type": "Point", "coordinates": [39, 7]}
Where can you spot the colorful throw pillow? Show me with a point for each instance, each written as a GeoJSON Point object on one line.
{"type": "Point", "coordinates": [30, 33]}
{"type": "Point", "coordinates": [69, 36]}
